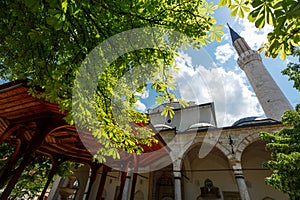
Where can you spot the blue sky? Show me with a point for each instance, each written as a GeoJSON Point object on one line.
{"type": "Point", "coordinates": [212, 74]}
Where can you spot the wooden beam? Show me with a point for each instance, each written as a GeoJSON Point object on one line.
{"type": "Point", "coordinates": [10, 130]}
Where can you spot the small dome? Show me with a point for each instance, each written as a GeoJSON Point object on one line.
{"type": "Point", "coordinates": [245, 120]}
{"type": "Point", "coordinates": [159, 127]}
{"type": "Point", "coordinates": [200, 125]}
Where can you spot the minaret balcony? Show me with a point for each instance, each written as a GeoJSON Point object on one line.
{"type": "Point", "coordinates": [247, 57]}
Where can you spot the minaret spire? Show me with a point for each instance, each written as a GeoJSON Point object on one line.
{"type": "Point", "coordinates": [238, 42]}
{"type": "Point", "coordinates": [270, 97]}
{"type": "Point", "coordinates": [233, 34]}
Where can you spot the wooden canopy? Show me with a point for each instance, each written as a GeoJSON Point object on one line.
{"type": "Point", "coordinates": [21, 116]}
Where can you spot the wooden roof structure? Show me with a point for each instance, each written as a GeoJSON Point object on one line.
{"type": "Point", "coordinates": [23, 116]}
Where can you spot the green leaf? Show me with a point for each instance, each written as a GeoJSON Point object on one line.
{"type": "Point", "coordinates": [224, 3]}
{"type": "Point", "coordinates": [64, 6]}
{"type": "Point", "coordinates": [260, 21]}
{"type": "Point", "coordinates": [168, 111]}
{"type": "Point", "coordinates": [34, 5]}
{"type": "Point", "coordinates": [270, 17]}
{"type": "Point", "coordinates": [215, 33]}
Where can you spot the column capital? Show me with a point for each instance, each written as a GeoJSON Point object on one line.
{"type": "Point", "coordinates": [239, 175]}
{"type": "Point", "coordinates": [237, 170]}
{"type": "Point", "coordinates": [177, 164]}
{"type": "Point", "coordinates": [177, 174]}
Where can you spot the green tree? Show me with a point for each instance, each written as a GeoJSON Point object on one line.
{"type": "Point", "coordinates": [47, 41]}
{"type": "Point", "coordinates": [285, 156]}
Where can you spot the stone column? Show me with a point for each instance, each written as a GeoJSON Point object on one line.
{"type": "Point", "coordinates": [54, 188]}
{"type": "Point", "coordinates": [177, 178]}
{"type": "Point", "coordinates": [177, 185]}
{"type": "Point", "coordinates": [241, 183]}
{"type": "Point", "coordinates": [125, 195]}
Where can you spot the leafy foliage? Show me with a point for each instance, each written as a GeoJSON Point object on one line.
{"type": "Point", "coordinates": [293, 71]}
{"type": "Point", "coordinates": [283, 15]}
{"type": "Point", "coordinates": [285, 162]}
{"type": "Point", "coordinates": [47, 41]}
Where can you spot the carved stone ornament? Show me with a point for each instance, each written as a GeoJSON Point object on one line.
{"type": "Point", "coordinates": [209, 191]}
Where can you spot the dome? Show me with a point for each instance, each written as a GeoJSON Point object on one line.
{"type": "Point", "coordinates": [159, 127]}
{"type": "Point", "coordinates": [245, 120]}
{"type": "Point", "coordinates": [200, 125]}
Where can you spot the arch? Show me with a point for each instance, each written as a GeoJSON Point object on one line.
{"type": "Point", "coordinates": [165, 186]}
{"type": "Point", "coordinates": [267, 198]}
{"type": "Point", "coordinates": [253, 157]}
{"type": "Point", "coordinates": [8, 132]}
{"type": "Point", "coordinates": [139, 195]}
{"type": "Point", "coordinates": [248, 140]}
{"type": "Point", "coordinates": [215, 166]}
{"type": "Point", "coordinates": [68, 127]}
{"type": "Point", "coordinates": [163, 183]}
{"type": "Point", "coordinates": [223, 152]}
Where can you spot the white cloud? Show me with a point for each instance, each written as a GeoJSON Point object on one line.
{"type": "Point", "coordinates": [139, 106]}
{"type": "Point", "coordinates": [227, 89]}
{"type": "Point", "coordinates": [183, 59]}
{"type": "Point", "coordinates": [143, 95]}
{"type": "Point", "coordinates": [224, 52]}
{"type": "Point", "coordinates": [253, 36]}
{"type": "Point", "coordinates": [226, 37]}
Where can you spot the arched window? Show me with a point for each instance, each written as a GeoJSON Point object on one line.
{"type": "Point", "coordinates": [165, 187]}
{"type": "Point", "coordinates": [139, 195]}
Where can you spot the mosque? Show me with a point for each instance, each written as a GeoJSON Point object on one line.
{"type": "Point", "coordinates": [195, 159]}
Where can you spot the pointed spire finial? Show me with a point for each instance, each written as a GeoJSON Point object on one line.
{"type": "Point", "coordinates": [233, 34]}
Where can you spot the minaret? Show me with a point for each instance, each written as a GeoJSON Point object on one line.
{"type": "Point", "coordinates": [270, 97]}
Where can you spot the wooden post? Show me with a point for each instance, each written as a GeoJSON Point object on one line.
{"type": "Point", "coordinates": [14, 179]}
{"type": "Point", "coordinates": [134, 178]}
{"type": "Point", "coordinates": [102, 182]}
{"type": "Point", "coordinates": [95, 170]}
{"type": "Point", "coordinates": [6, 170]}
{"type": "Point", "coordinates": [56, 162]}
{"type": "Point", "coordinates": [123, 179]}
